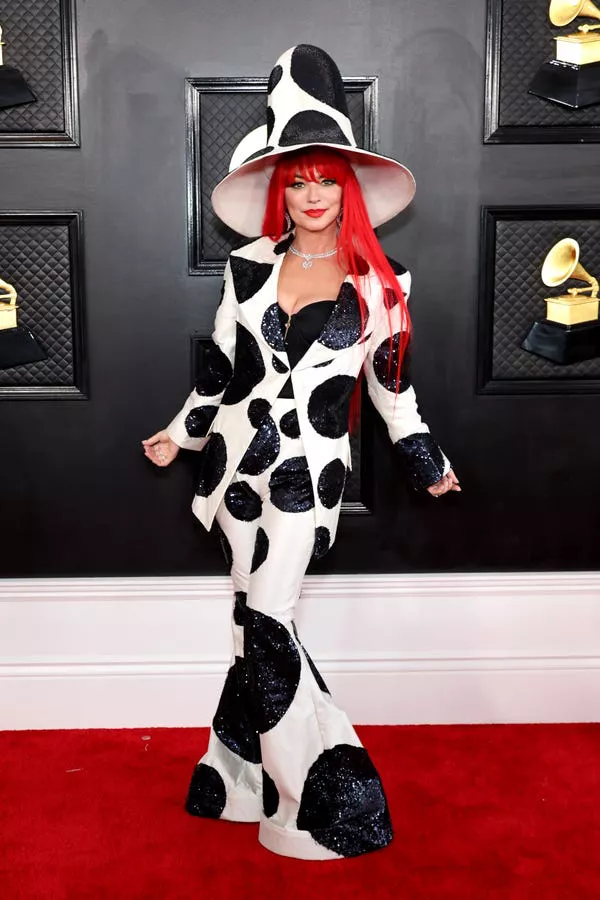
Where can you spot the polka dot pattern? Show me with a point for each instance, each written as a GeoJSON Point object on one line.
{"type": "Point", "coordinates": [206, 795]}
{"type": "Point", "coordinates": [263, 451]}
{"type": "Point", "coordinates": [225, 546]}
{"type": "Point", "coordinates": [322, 542]}
{"type": "Point", "coordinates": [212, 465]}
{"type": "Point", "coordinates": [270, 795]}
{"type": "Point", "coordinates": [231, 723]}
{"type": "Point", "coordinates": [257, 410]}
{"type": "Point", "coordinates": [261, 549]}
{"type": "Point", "coordinates": [242, 502]}
{"type": "Point", "coordinates": [344, 326]}
{"type": "Point", "coordinates": [273, 668]}
{"type": "Point", "coordinates": [330, 485]}
{"type": "Point", "coordinates": [249, 276]}
{"type": "Point", "coordinates": [315, 72]}
{"type": "Point", "coordinates": [271, 328]}
{"type": "Point", "coordinates": [215, 372]}
{"type": "Point", "coordinates": [343, 805]}
{"type": "Point", "coordinates": [422, 458]}
{"type": "Point", "coordinates": [289, 424]}
{"type": "Point", "coordinates": [248, 368]}
{"type": "Point", "coordinates": [329, 406]}
{"type": "Point", "coordinates": [311, 125]}
{"type": "Point", "coordinates": [279, 366]}
{"type": "Point", "coordinates": [385, 365]}
{"type": "Point", "coordinates": [274, 78]}
{"type": "Point", "coordinates": [198, 420]}
{"type": "Point", "coordinates": [284, 244]}
{"type": "Point", "coordinates": [290, 486]}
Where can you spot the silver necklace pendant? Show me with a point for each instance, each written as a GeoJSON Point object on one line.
{"type": "Point", "coordinates": [307, 258]}
{"type": "Point", "coordinates": [307, 264]}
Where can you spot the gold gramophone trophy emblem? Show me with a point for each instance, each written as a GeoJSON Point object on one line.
{"type": "Point", "coordinates": [573, 77]}
{"type": "Point", "coordinates": [14, 90]}
{"type": "Point", "coordinates": [18, 346]}
{"type": "Point", "coordinates": [570, 332]}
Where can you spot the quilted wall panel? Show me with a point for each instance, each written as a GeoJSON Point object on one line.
{"type": "Point", "coordinates": [36, 259]}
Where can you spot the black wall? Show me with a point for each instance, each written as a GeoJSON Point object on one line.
{"type": "Point", "coordinates": [78, 496]}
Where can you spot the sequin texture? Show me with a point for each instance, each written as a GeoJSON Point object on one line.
{"type": "Point", "coordinates": [290, 486]}
{"type": "Point", "coordinates": [344, 326]}
{"type": "Point", "coordinates": [248, 367]}
{"type": "Point", "coordinates": [329, 405]}
{"type": "Point", "coordinates": [270, 795]}
{"type": "Point", "coordinates": [212, 465]}
{"type": "Point", "coordinates": [198, 420]}
{"type": "Point", "coordinates": [422, 458]}
{"type": "Point", "coordinates": [263, 449]}
{"type": "Point", "coordinates": [206, 794]}
{"type": "Point", "coordinates": [271, 328]}
{"type": "Point", "coordinates": [273, 664]}
{"type": "Point", "coordinates": [385, 365]}
{"type": "Point", "coordinates": [215, 371]}
{"type": "Point", "coordinates": [343, 805]}
{"type": "Point", "coordinates": [242, 502]}
{"type": "Point", "coordinates": [231, 722]}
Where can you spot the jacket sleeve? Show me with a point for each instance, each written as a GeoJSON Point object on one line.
{"type": "Point", "coordinates": [423, 460]}
{"type": "Point", "coordinates": [191, 424]}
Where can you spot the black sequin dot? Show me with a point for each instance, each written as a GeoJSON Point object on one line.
{"type": "Point", "coordinates": [290, 487]}
{"type": "Point", "coordinates": [279, 366]}
{"type": "Point", "coordinates": [271, 328]}
{"type": "Point", "coordinates": [212, 463]}
{"type": "Point", "coordinates": [257, 410]}
{"type": "Point", "coordinates": [289, 424]}
{"type": "Point", "coordinates": [385, 365]}
{"type": "Point", "coordinates": [239, 607]}
{"type": "Point", "coordinates": [248, 367]}
{"type": "Point", "coordinates": [331, 483]}
{"type": "Point", "coordinates": [274, 78]}
{"type": "Point", "coordinates": [199, 420]}
{"type": "Point", "coordinates": [344, 326]}
{"type": "Point", "coordinates": [249, 276]}
{"type": "Point", "coordinates": [343, 805]}
{"type": "Point", "coordinates": [273, 663]}
{"type": "Point", "coordinates": [261, 549]}
{"type": "Point", "coordinates": [270, 795]}
{"type": "Point", "coordinates": [231, 723]}
{"type": "Point", "coordinates": [242, 502]}
{"type": "Point", "coordinates": [214, 371]}
{"type": "Point", "coordinates": [263, 449]}
{"type": "Point", "coordinates": [326, 363]}
{"type": "Point", "coordinates": [322, 542]}
{"type": "Point", "coordinates": [207, 794]}
{"type": "Point", "coordinates": [329, 405]}
{"type": "Point", "coordinates": [225, 546]}
{"type": "Point", "coordinates": [284, 244]}
{"type": "Point", "coordinates": [311, 126]}
{"type": "Point", "coordinates": [422, 458]}
{"type": "Point", "coordinates": [315, 72]}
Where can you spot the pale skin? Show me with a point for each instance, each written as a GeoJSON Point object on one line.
{"type": "Point", "coordinates": [298, 287]}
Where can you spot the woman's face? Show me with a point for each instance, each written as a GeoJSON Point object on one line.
{"type": "Point", "coordinates": [313, 205]}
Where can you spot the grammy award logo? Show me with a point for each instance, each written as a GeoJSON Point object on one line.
{"type": "Point", "coordinates": [18, 346]}
{"type": "Point", "coordinates": [14, 90]}
{"type": "Point", "coordinates": [573, 77]}
{"type": "Point", "coordinates": [571, 331]}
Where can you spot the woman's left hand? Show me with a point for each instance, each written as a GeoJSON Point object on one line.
{"type": "Point", "coordinates": [448, 483]}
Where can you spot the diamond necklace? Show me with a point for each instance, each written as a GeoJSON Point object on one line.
{"type": "Point", "coordinates": [308, 257]}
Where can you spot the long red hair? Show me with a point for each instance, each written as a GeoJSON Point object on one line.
{"type": "Point", "coordinates": [357, 244]}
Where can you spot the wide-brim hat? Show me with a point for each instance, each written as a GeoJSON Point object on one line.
{"type": "Point", "coordinates": [306, 107]}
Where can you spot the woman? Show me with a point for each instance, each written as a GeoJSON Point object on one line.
{"type": "Point", "coordinates": [305, 309]}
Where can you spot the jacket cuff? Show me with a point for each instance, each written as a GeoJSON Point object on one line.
{"type": "Point", "coordinates": [189, 429]}
{"type": "Point", "coordinates": [423, 459]}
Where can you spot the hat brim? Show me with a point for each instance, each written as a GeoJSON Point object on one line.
{"type": "Point", "coordinates": [240, 198]}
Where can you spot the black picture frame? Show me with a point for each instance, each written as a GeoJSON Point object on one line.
{"type": "Point", "coordinates": [487, 384]}
{"type": "Point", "coordinates": [195, 88]}
{"type": "Point", "coordinates": [496, 131]}
{"type": "Point", "coordinates": [67, 83]}
{"type": "Point", "coordinates": [361, 443]}
{"type": "Point", "coordinates": [78, 389]}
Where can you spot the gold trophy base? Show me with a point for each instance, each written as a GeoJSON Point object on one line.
{"type": "Point", "coordinates": [570, 310]}
{"type": "Point", "coordinates": [8, 317]}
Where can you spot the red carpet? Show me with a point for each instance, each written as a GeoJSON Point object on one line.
{"type": "Point", "coordinates": [480, 812]}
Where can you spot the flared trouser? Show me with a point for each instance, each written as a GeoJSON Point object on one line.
{"type": "Point", "coordinates": [280, 751]}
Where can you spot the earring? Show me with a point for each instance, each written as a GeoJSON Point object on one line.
{"type": "Point", "coordinates": [288, 221]}
{"type": "Point", "coordinates": [340, 216]}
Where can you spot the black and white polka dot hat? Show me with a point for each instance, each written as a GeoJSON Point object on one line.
{"type": "Point", "coordinates": [306, 107]}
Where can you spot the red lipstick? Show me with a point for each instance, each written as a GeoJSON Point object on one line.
{"type": "Point", "coordinates": [315, 213]}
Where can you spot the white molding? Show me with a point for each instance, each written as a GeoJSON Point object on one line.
{"type": "Point", "coordinates": [394, 649]}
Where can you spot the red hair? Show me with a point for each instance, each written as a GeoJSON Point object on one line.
{"type": "Point", "coordinates": [357, 244]}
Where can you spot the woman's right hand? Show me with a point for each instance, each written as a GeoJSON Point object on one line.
{"type": "Point", "coordinates": [160, 449]}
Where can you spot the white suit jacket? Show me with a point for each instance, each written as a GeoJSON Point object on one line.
{"type": "Point", "coordinates": [248, 367]}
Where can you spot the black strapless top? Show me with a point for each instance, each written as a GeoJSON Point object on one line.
{"type": "Point", "coordinates": [305, 327]}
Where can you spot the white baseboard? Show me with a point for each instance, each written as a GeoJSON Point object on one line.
{"type": "Point", "coordinates": [394, 649]}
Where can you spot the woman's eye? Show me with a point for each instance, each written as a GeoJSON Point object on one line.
{"type": "Point", "coordinates": [296, 184]}
{"type": "Point", "coordinates": [328, 181]}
